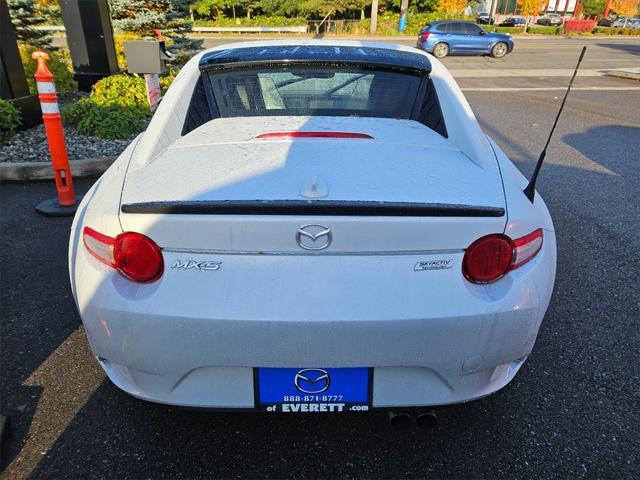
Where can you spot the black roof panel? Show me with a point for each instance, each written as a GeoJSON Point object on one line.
{"type": "Point", "coordinates": [373, 57]}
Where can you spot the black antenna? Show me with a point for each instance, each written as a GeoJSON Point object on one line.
{"type": "Point", "coordinates": [530, 191]}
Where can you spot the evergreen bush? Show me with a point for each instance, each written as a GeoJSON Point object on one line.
{"type": "Point", "coordinates": [25, 15]}
{"type": "Point", "coordinates": [143, 17]}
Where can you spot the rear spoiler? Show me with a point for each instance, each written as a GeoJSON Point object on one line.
{"type": "Point", "coordinates": [305, 207]}
{"type": "Point", "coordinates": [364, 56]}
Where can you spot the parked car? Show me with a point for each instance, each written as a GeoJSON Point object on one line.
{"type": "Point", "coordinates": [462, 38]}
{"type": "Point", "coordinates": [513, 21]}
{"type": "Point", "coordinates": [626, 22]}
{"type": "Point", "coordinates": [606, 21]}
{"type": "Point", "coordinates": [551, 19]}
{"type": "Point", "coordinates": [484, 18]}
{"type": "Point", "coordinates": [312, 226]}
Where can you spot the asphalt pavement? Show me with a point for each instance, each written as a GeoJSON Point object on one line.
{"type": "Point", "coordinates": [572, 411]}
{"type": "Point", "coordinates": [536, 52]}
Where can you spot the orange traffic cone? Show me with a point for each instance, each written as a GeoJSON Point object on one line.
{"type": "Point", "coordinates": [66, 202]}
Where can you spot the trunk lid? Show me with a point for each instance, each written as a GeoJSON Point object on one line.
{"type": "Point", "coordinates": [404, 164]}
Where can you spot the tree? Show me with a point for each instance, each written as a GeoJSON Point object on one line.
{"type": "Point", "coordinates": [374, 16]}
{"type": "Point", "coordinates": [285, 8]}
{"type": "Point", "coordinates": [591, 8]}
{"type": "Point", "coordinates": [357, 5]}
{"type": "Point", "coordinates": [529, 8]}
{"type": "Point", "coordinates": [143, 17]}
{"type": "Point", "coordinates": [418, 6]}
{"type": "Point", "coordinates": [25, 15]}
{"type": "Point", "coordinates": [212, 8]}
{"type": "Point", "coordinates": [452, 7]}
{"type": "Point", "coordinates": [625, 8]}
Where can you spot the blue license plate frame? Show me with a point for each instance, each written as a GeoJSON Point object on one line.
{"type": "Point", "coordinates": [313, 390]}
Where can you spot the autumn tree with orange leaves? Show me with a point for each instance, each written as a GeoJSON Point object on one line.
{"type": "Point", "coordinates": [625, 8]}
{"type": "Point", "coordinates": [452, 7]}
{"type": "Point", "coordinates": [530, 8]}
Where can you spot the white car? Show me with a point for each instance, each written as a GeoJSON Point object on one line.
{"type": "Point", "coordinates": [312, 226]}
{"type": "Point", "coordinates": [626, 22]}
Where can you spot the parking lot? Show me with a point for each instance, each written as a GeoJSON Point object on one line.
{"type": "Point", "coordinates": [572, 412]}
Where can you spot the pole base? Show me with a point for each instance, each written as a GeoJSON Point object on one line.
{"type": "Point", "coordinates": [4, 428]}
{"type": "Point", "coordinates": [51, 208]}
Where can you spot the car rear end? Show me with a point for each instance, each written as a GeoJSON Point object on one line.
{"type": "Point", "coordinates": [312, 263]}
{"type": "Point", "coordinates": [428, 37]}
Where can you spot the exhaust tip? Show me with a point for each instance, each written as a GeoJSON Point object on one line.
{"type": "Point", "coordinates": [400, 420]}
{"type": "Point", "coordinates": [427, 420]}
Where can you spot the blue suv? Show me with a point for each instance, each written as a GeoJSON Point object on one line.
{"type": "Point", "coordinates": [462, 38]}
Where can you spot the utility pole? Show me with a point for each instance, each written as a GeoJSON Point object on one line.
{"type": "Point", "coordinates": [492, 12]}
{"type": "Point", "coordinates": [402, 24]}
{"type": "Point", "coordinates": [374, 16]}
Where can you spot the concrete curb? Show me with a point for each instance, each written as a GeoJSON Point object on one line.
{"type": "Point", "coordinates": [27, 171]}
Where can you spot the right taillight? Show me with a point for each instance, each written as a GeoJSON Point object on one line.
{"type": "Point", "coordinates": [490, 258]}
{"type": "Point", "coordinates": [425, 35]}
{"type": "Point", "coordinates": [525, 248]}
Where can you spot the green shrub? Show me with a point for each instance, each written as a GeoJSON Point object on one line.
{"type": "Point", "coordinates": [59, 64]}
{"type": "Point", "coordinates": [116, 108]}
{"type": "Point", "coordinates": [124, 90]}
{"type": "Point", "coordinates": [258, 21]}
{"type": "Point", "coordinates": [388, 24]}
{"type": "Point", "coordinates": [106, 121]}
{"type": "Point", "coordinates": [616, 31]}
{"type": "Point", "coordinates": [544, 30]}
{"type": "Point", "coordinates": [511, 30]}
{"type": "Point", "coordinates": [10, 118]}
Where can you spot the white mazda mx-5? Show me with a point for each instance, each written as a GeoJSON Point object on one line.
{"type": "Point", "coordinates": [312, 226]}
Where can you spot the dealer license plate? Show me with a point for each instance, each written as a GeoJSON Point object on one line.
{"type": "Point", "coordinates": [303, 390]}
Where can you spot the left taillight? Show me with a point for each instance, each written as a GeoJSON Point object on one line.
{"type": "Point", "coordinates": [425, 35]}
{"type": "Point", "coordinates": [134, 255]}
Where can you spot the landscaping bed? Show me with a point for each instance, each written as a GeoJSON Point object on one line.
{"type": "Point", "coordinates": [100, 124]}
{"type": "Point", "coordinates": [31, 145]}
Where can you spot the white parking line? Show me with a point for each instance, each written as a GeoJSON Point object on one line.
{"type": "Point", "coordinates": [526, 72]}
{"type": "Point", "coordinates": [546, 89]}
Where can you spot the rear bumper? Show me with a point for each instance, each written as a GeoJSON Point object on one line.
{"type": "Point", "coordinates": [233, 387]}
{"type": "Point", "coordinates": [431, 338]}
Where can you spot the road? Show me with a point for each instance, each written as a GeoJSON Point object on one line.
{"type": "Point", "coordinates": [529, 53]}
{"type": "Point", "coordinates": [572, 412]}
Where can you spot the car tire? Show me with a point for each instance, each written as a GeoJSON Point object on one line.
{"type": "Point", "coordinates": [440, 50]}
{"type": "Point", "coordinates": [499, 50]}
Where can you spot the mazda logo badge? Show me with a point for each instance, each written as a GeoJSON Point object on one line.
{"type": "Point", "coordinates": [312, 380]}
{"type": "Point", "coordinates": [314, 237]}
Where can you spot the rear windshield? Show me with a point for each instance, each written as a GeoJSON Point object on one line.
{"type": "Point", "coordinates": [310, 90]}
